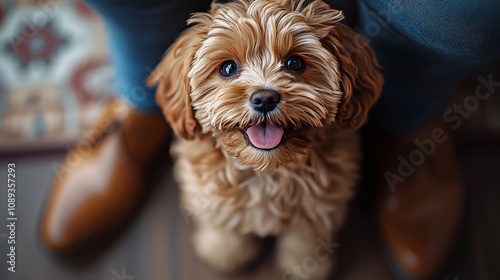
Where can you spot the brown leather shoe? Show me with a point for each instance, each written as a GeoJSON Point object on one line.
{"type": "Point", "coordinates": [101, 181]}
{"type": "Point", "coordinates": [419, 197]}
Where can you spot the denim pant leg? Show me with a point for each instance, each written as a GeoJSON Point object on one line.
{"type": "Point", "coordinates": [139, 32]}
{"type": "Point", "coordinates": [426, 48]}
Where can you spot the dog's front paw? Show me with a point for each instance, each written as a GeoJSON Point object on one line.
{"type": "Point", "coordinates": [301, 257]}
{"type": "Point", "coordinates": [226, 252]}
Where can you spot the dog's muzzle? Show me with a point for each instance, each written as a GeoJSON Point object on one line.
{"type": "Point", "coordinates": [264, 136]}
{"type": "Point", "coordinates": [265, 101]}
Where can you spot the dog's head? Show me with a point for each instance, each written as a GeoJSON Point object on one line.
{"type": "Point", "coordinates": [260, 75]}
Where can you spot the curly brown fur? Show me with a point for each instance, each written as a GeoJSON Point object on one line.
{"type": "Point", "coordinates": [299, 187]}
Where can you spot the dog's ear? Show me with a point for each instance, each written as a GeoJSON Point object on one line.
{"type": "Point", "coordinates": [361, 79]}
{"type": "Point", "coordinates": [171, 76]}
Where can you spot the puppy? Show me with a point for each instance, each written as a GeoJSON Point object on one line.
{"type": "Point", "coordinates": [264, 97]}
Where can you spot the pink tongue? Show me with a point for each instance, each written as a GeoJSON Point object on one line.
{"type": "Point", "coordinates": [265, 136]}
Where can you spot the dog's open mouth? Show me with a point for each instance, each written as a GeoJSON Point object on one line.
{"type": "Point", "coordinates": [264, 136]}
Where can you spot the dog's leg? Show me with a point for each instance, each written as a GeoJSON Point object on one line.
{"type": "Point", "coordinates": [305, 255]}
{"type": "Point", "coordinates": [223, 250]}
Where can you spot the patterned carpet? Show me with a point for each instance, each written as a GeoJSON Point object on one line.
{"type": "Point", "coordinates": [55, 74]}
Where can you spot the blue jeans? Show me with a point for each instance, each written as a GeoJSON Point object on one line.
{"type": "Point", "coordinates": [425, 47]}
{"type": "Point", "coordinates": [139, 32]}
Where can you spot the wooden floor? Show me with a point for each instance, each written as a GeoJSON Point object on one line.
{"type": "Point", "coordinates": [156, 244]}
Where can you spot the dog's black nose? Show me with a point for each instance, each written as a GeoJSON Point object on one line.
{"type": "Point", "coordinates": [265, 100]}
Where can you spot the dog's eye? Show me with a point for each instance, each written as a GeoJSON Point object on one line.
{"type": "Point", "coordinates": [228, 69]}
{"type": "Point", "coordinates": [295, 63]}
